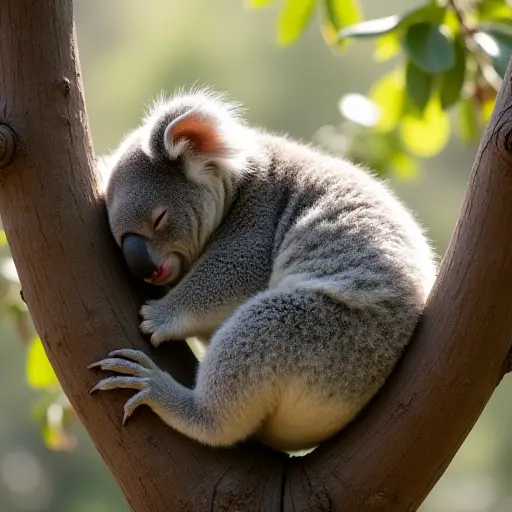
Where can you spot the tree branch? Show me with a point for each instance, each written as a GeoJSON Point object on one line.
{"type": "Point", "coordinates": [83, 305]}
{"type": "Point", "coordinates": [393, 456]}
{"type": "Point", "coordinates": [74, 282]}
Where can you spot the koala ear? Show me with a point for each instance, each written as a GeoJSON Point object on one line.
{"type": "Point", "coordinates": [197, 132]}
{"type": "Point", "coordinates": [211, 136]}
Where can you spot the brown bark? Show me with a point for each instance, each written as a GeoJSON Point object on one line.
{"type": "Point", "coordinates": [77, 291]}
{"type": "Point", "coordinates": [83, 305]}
{"type": "Point", "coordinates": [393, 456]}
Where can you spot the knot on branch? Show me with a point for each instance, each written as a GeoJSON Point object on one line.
{"type": "Point", "coordinates": [503, 139]}
{"type": "Point", "coordinates": [7, 145]}
{"type": "Point", "coordinates": [508, 141]}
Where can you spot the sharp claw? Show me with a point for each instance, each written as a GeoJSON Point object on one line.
{"type": "Point", "coordinates": [119, 382]}
{"type": "Point", "coordinates": [94, 389]}
{"type": "Point", "coordinates": [135, 355]}
{"type": "Point", "coordinates": [121, 366]}
{"type": "Point", "coordinates": [98, 386]}
{"type": "Point", "coordinates": [134, 402]}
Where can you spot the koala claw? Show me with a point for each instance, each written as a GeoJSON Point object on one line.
{"type": "Point", "coordinates": [140, 373]}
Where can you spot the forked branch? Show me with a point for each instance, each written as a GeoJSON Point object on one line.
{"type": "Point", "coordinates": [83, 305]}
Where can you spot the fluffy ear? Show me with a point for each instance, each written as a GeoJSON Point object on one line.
{"type": "Point", "coordinates": [197, 132]}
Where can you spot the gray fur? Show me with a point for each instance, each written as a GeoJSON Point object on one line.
{"type": "Point", "coordinates": [304, 275]}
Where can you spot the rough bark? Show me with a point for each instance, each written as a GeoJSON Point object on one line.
{"type": "Point", "coordinates": [393, 456]}
{"type": "Point", "coordinates": [83, 304]}
{"type": "Point", "coordinates": [77, 291]}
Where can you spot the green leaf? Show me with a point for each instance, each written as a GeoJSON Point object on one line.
{"type": "Point", "coordinates": [380, 26]}
{"type": "Point", "coordinates": [372, 28]}
{"type": "Point", "coordinates": [3, 238]}
{"type": "Point", "coordinates": [451, 81]}
{"type": "Point", "coordinates": [39, 372]}
{"type": "Point", "coordinates": [451, 21]}
{"type": "Point", "coordinates": [428, 46]}
{"type": "Point", "coordinates": [256, 4]}
{"type": "Point", "coordinates": [293, 19]}
{"type": "Point", "coordinates": [388, 93]}
{"type": "Point", "coordinates": [494, 10]}
{"type": "Point", "coordinates": [342, 13]}
{"type": "Point", "coordinates": [428, 135]}
{"type": "Point", "coordinates": [428, 13]}
{"type": "Point", "coordinates": [387, 47]}
{"type": "Point", "coordinates": [496, 40]}
{"type": "Point", "coordinates": [419, 85]}
{"type": "Point", "coordinates": [339, 14]}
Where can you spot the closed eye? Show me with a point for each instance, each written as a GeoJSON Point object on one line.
{"type": "Point", "coordinates": [159, 219]}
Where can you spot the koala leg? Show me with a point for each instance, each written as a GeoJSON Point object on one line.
{"type": "Point", "coordinates": [216, 424]}
{"type": "Point", "coordinates": [281, 353]}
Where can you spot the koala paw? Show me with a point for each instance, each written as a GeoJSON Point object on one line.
{"type": "Point", "coordinates": [140, 374]}
{"type": "Point", "coordinates": [156, 321]}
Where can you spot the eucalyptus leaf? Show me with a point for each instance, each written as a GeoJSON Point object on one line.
{"type": "Point", "coordinates": [496, 40]}
{"type": "Point", "coordinates": [419, 85]}
{"type": "Point", "coordinates": [342, 13]}
{"type": "Point", "coordinates": [388, 93]}
{"type": "Point", "coordinates": [339, 14]}
{"type": "Point", "coordinates": [372, 28]}
{"type": "Point", "coordinates": [387, 47]}
{"type": "Point", "coordinates": [451, 81]}
{"type": "Point", "coordinates": [293, 20]}
{"type": "Point", "coordinates": [426, 136]}
{"type": "Point", "coordinates": [39, 372]}
{"type": "Point", "coordinates": [429, 47]}
{"type": "Point", "coordinates": [380, 26]}
{"type": "Point", "coordinates": [494, 10]}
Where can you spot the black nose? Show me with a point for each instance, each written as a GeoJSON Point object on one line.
{"type": "Point", "coordinates": [136, 254]}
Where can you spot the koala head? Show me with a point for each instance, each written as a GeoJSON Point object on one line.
{"type": "Point", "coordinates": [171, 180]}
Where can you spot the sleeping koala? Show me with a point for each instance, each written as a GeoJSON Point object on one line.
{"type": "Point", "coordinates": [303, 275]}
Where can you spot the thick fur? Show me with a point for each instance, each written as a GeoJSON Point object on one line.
{"type": "Point", "coordinates": [304, 275]}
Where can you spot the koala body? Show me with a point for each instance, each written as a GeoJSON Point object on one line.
{"type": "Point", "coordinates": [302, 273]}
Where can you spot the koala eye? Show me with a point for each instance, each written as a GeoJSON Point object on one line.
{"type": "Point", "coordinates": [159, 219]}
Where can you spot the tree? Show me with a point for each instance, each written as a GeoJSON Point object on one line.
{"type": "Point", "coordinates": [83, 304]}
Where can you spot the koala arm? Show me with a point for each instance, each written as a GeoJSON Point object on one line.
{"type": "Point", "coordinates": [234, 267]}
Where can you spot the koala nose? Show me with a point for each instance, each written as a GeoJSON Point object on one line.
{"type": "Point", "coordinates": [137, 257]}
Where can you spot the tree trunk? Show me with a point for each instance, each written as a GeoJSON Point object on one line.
{"type": "Point", "coordinates": [84, 304]}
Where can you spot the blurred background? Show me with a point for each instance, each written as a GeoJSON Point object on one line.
{"type": "Point", "coordinates": [130, 51]}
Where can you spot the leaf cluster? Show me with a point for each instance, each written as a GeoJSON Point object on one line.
{"type": "Point", "coordinates": [450, 59]}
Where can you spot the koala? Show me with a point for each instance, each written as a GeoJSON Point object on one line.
{"type": "Point", "coordinates": [302, 274]}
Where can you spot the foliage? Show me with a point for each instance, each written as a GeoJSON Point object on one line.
{"type": "Point", "coordinates": [450, 59]}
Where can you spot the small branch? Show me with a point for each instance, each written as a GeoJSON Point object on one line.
{"type": "Point", "coordinates": [482, 60]}
{"type": "Point", "coordinates": [460, 16]}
